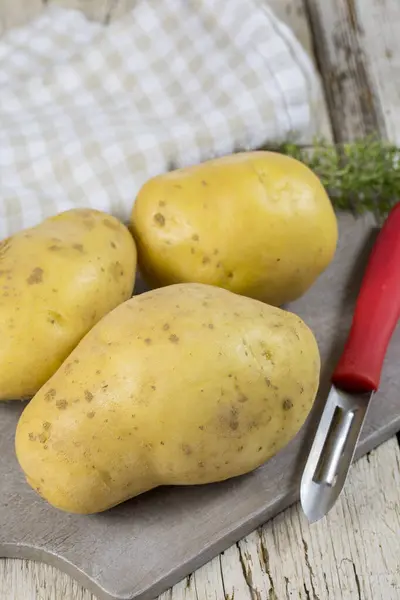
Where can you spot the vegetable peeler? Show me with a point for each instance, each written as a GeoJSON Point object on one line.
{"type": "Point", "coordinates": [357, 375]}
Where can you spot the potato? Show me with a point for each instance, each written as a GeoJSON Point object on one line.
{"type": "Point", "coordinates": [56, 281]}
{"type": "Point", "coordinates": [256, 223]}
{"type": "Point", "coordinates": [187, 384]}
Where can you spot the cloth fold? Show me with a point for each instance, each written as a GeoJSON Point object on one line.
{"type": "Point", "coordinates": [88, 112]}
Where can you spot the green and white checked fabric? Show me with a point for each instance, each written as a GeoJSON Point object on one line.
{"type": "Point", "coordinates": [88, 112]}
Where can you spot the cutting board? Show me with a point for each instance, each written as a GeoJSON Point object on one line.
{"type": "Point", "coordinates": [138, 549]}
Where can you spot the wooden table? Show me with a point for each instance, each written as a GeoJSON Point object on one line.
{"type": "Point", "coordinates": [354, 553]}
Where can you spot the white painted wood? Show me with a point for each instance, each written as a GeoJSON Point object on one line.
{"type": "Point", "coordinates": [28, 580]}
{"type": "Point", "coordinates": [353, 553]}
{"type": "Point", "coordinates": [208, 581]}
{"type": "Point", "coordinates": [185, 590]}
{"type": "Point", "coordinates": [343, 66]}
{"type": "Point", "coordinates": [245, 569]}
{"type": "Point", "coordinates": [359, 55]}
{"type": "Point", "coordinates": [379, 20]}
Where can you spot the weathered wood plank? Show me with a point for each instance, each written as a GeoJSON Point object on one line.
{"type": "Point", "coordinates": [348, 555]}
{"type": "Point", "coordinates": [359, 58]}
{"type": "Point", "coordinates": [28, 580]}
{"type": "Point", "coordinates": [338, 38]}
{"type": "Point", "coordinates": [379, 20]}
{"type": "Point", "coordinates": [237, 578]}
{"type": "Point", "coordinates": [353, 553]}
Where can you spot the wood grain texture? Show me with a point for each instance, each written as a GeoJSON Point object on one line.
{"type": "Point", "coordinates": [352, 554]}
{"type": "Point", "coordinates": [380, 24]}
{"type": "Point", "coordinates": [359, 59]}
{"type": "Point", "coordinates": [342, 63]}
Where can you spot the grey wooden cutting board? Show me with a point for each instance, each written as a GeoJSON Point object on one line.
{"type": "Point", "coordinates": [140, 548]}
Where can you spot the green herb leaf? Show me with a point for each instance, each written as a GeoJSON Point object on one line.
{"type": "Point", "coordinates": [359, 176]}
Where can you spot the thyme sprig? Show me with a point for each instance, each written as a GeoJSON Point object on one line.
{"type": "Point", "coordinates": [359, 176]}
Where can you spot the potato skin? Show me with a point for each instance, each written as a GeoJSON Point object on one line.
{"type": "Point", "coordinates": [256, 223]}
{"type": "Point", "coordinates": [187, 384]}
{"type": "Point", "coordinates": [56, 281]}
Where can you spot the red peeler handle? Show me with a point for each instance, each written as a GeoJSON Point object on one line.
{"type": "Point", "coordinates": [376, 314]}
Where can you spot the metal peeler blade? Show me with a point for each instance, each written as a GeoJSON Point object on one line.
{"type": "Point", "coordinates": [332, 451]}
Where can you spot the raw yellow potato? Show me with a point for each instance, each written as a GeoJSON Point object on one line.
{"type": "Point", "coordinates": [187, 384]}
{"type": "Point", "coordinates": [256, 223]}
{"type": "Point", "coordinates": [56, 281]}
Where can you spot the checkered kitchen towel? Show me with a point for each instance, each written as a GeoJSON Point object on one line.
{"type": "Point", "coordinates": [88, 112]}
